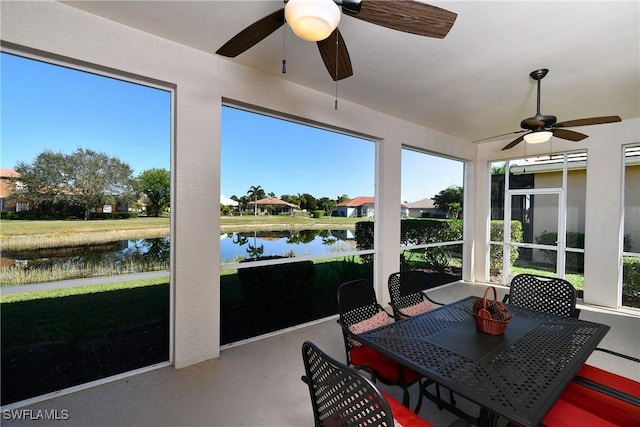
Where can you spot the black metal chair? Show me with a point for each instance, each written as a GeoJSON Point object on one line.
{"type": "Point", "coordinates": [546, 294]}
{"type": "Point", "coordinates": [342, 396]}
{"type": "Point", "coordinates": [406, 289]}
{"type": "Point", "coordinates": [359, 310]}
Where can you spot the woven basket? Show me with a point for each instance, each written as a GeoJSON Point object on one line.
{"type": "Point", "coordinates": [490, 325]}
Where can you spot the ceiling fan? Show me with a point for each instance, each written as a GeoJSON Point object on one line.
{"type": "Point", "coordinates": [540, 127]}
{"type": "Point", "coordinates": [408, 16]}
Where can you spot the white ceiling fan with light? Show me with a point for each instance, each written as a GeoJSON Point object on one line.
{"type": "Point", "coordinates": [317, 20]}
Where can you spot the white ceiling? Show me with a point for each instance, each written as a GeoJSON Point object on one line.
{"type": "Point", "coordinates": [472, 84]}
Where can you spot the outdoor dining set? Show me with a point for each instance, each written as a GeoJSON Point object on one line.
{"type": "Point", "coordinates": [520, 361]}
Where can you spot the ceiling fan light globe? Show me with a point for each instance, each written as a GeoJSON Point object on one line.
{"type": "Point", "coordinates": [312, 20]}
{"type": "Point", "coordinates": [538, 137]}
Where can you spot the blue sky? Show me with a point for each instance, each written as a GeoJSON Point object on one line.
{"type": "Point", "coordinates": [53, 108]}
{"type": "Point", "coordinates": [47, 107]}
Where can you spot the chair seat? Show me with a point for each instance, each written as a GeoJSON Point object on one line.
{"type": "Point", "coordinates": [581, 406]}
{"type": "Point", "coordinates": [403, 416]}
{"type": "Point", "coordinates": [386, 369]}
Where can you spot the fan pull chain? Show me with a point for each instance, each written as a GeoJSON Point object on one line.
{"type": "Point", "coordinates": [284, 50]}
{"type": "Point", "coordinates": [335, 106]}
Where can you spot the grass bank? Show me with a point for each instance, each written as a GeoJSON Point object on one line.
{"type": "Point", "coordinates": [18, 235]}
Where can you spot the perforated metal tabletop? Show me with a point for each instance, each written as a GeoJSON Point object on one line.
{"type": "Point", "coordinates": [518, 375]}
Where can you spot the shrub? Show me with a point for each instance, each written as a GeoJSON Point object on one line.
{"type": "Point", "coordinates": [496, 251]}
{"type": "Point", "coordinates": [413, 232]}
{"type": "Point", "coordinates": [574, 260]}
{"type": "Point", "coordinates": [318, 214]}
{"type": "Point", "coordinates": [437, 258]}
{"type": "Point", "coordinates": [282, 289]}
{"type": "Point", "coordinates": [631, 281]}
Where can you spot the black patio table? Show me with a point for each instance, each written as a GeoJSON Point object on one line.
{"type": "Point", "coordinates": [518, 375]}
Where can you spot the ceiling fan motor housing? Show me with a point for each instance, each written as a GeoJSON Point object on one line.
{"type": "Point", "coordinates": [538, 122]}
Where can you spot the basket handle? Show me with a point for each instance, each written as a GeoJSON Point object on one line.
{"type": "Point", "coordinates": [484, 298]}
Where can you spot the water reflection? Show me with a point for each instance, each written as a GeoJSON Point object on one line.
{"type": "Point", "coordinates": [117, 253]}
{"type": "Point", "coordinates": [251, 245]}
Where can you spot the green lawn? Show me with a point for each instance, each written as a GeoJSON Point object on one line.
{"type": "Point", "coordinates": [63, 227]}
{"type": "Point", "coordinates": [87, 311]}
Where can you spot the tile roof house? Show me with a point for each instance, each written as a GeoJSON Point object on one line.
{"type": "Point", "coordinates": [360, 207]}
{"type": "Point", "coordinates": [8, 199]}
{"type": "Point", "coordinates": [424, 208]}
{"type": "Point", "coordinates": [271, 206]}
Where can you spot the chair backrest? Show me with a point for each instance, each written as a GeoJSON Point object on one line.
{"type": "Point", "coordinates": [340, 395]}
{"type": "Point", "coordinates": [357, 302]}
{"type": "Point", "coordinates": [547, 294]}
{"type": "Point", "coordinates": [405, 289]}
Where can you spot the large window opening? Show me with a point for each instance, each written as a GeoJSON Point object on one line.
{"type": "Point", "coordinates": [537, 218]}
{"type": "Point", "coordinates": [85, 198]}
{"type": "Point", "coordinates": [432, 210]}
{"type": "Point", "coordinates": [631, 233]}
{"type": "Point", "coordinates": [297, 214]}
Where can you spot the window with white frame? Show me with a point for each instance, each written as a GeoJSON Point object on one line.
{"type": "Point", "coordinates": [432, 205]}
{"type": "Point", "coordinates": [62, 130]}
{"type": "Point", "coordinates": [631, 234]}
{"type": "Point", "coordinates": [297, 220]}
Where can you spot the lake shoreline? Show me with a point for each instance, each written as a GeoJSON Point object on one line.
{"type": "Point", "coordinates": [75, 233]}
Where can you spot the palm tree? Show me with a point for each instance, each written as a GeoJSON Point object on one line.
{"type": "Point", "coordinates": [256, 192]}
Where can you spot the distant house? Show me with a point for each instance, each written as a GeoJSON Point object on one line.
{"type": "Point", "coordinates": [10, 202]}
{"type": "Point", "coordinates": [8, 199]}
{"type": "Point", "coordinates": [424, 208]}
{"type": "Point", "coordinates": [360, 207]}
{"type": "Point", "coordinates": [271, 206]}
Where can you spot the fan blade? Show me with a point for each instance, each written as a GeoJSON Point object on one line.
{"type": "Point", "coordinates": [498, 136]}
{"type": "Point", "coordinates": [588, 122]}
{"type": "Point", "coordinates": [406, 15]}
{"type": "Point", "coordinates": [331, 49]}
{"type": "Point", "coordinates": [569, 134]}
{"type": "Point", "coordinates": [515, 142]}
{"type": "Point", "coordinates": [252, 35]}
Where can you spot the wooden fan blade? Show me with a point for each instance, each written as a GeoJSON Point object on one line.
{"type": "Point", "coordinates": [499, 136]}
{"type": "Point", "coordinates": [515, 142]}
{"type": "Point", "coordinates": [588, 122]}
{"type": "Point", "coordinates": [569, 134]}
{"type": "Point", "coordinates": [331, 49]}
{"type": "Point", "coordinates": [406, 15]}
{"type": "Point", "coordinates": [252, 35]}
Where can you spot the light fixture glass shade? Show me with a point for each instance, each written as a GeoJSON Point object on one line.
{"type": "Point", "coordinates": [538, 137]}
{"type": "Point", "coordinates": [312, 20]}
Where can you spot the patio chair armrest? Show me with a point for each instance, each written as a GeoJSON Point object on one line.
{"type": "Point", "coordinates": [431, 300]}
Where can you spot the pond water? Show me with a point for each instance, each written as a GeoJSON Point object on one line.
{"type": "Point", "coordinates": [116, 252]}
{"type": "Point", "coordinates": [238, 246]}
{"type": "Point", "coordinates": [233, 247]}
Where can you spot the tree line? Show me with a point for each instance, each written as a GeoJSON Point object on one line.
{"type": "Point", "coordinates": [84, 180]}
{"type": "Point", "coordinates": [304, 201]}
{"type": "Point", "coordinates": [449, 200]}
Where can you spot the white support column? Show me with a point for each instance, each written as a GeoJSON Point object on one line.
{"type": "Point", "coordinates": [387, 228]}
